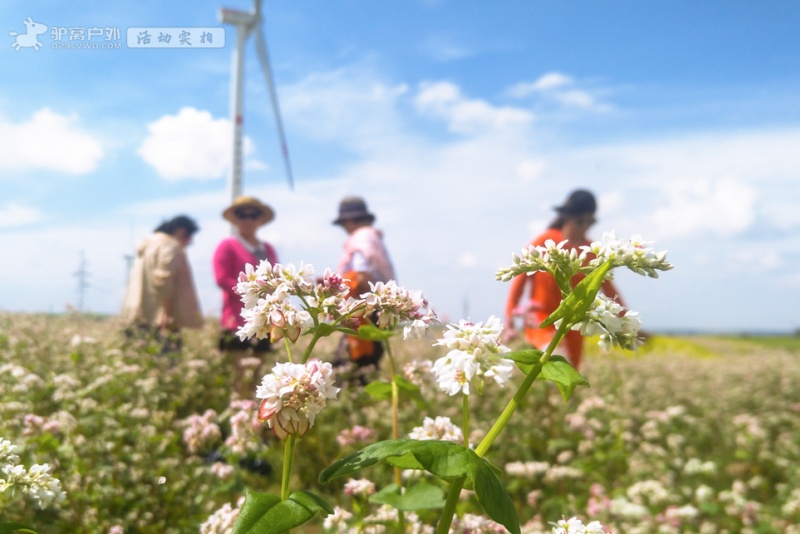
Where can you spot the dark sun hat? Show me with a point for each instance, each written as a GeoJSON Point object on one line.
{"type": "Point", "coordinates": [579, 202]}
{"type": "Point", "coordinates": [353, 209]}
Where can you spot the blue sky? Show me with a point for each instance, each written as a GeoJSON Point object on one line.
{"type": "Point", "coordinates": [461, 123]}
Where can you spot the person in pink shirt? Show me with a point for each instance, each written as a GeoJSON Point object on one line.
{"type": "Point", "coordinates": [365, 261]}
{"type": "Point", "coordinates": [247, 214]}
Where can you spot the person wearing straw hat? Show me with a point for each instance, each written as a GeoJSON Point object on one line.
{"type": "Point", "coordinates": [247, 214]}
{"type": "Point", "coordinates": [365, 260]}
{"type": "Point", "coordinates": [572, 222]}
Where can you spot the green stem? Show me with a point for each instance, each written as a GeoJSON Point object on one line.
{"type": "Point", "coordinates": [465, 419]}
{"type": "Point", "coordinates": [288, 459]}
{"type": "Point", "coordinates": [516, 400]}
{"type": "Point", "coordinates": [288, 348]}
{"type": "Point", "coordinates": [450, 504]}
{"type": "Point", "coordinates": [455, 488]}
{"type": "Point", "coordinates": [310, 347]}
{"type": "Point", "coordinates": [398, 475]}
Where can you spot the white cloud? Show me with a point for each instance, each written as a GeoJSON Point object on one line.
{"type": "Point", "coordinates": [561, 89]}
{"type": "Point", "coordinates": [468, 260]}
{"type": "Point", "coordinates": [48, 141]}
{"type": "Point", "coordinates": [530, 170]}
{"type": "Point", "coordinates": [350, 107]}
{"type": "Point", "coordinates": [12, 215]}
{"type": "Point", "coordinates": [190, 145]}
{"type": "Point", "coordinates": [444, 48]}
{"type": "Point", "coordinates": [720, 208]}
{"type": "Point", "coordinates": [464, 115]}
{"type": "Point", "coordinates": [696, 186]}
{"type": "Point", "coordinates": [546, 82]}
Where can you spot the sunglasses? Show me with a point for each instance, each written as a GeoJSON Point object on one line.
{"type": "Point", "coordinates": [248, 215]}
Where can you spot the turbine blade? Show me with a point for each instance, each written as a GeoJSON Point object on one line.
{"type": "Point", "coordinates": [263, 56]}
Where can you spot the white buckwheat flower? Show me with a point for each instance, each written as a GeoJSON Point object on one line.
{"type": "Point", "coordinates": [293, 394]}
{"type": "Point", "coordinates": [274, 316]}
{"type": "Point", "coordinates": [359, 487]}
{"type": "Point", "coordinates": [574, 525]}
{"type": "Point", "coordinates": [439, 429]}
{"type": "Point", "coordinates": [635, 254]}
{"type": "Point", "coordinates": [474, 355]}
{"type": "Point", "coordinates": [395, 304]}
{"type": "Point", "coordinates": [35, 482]}
{"type": "Point", "coordinates": [605, 318]}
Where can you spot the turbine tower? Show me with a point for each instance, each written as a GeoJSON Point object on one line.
{"type": "Point", "coordinates": [247, 23]}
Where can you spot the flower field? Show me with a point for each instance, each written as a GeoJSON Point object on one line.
{"type": "Point", "coordinates": [690, 434]}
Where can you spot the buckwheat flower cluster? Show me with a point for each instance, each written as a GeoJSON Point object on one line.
{"type": "Point", "coordinates": [574, 525]}
{"type": "Point", "coordinates": [615, 326]}
{"type": "Point", "coordinates": [475, 355]}
{"type": "Point", "coordinates": [269, 309]}
{"type": "Point", "coordinates": [420, 373]}
{"type": "Point", "coordinates": [527, 469]}
{"type": "Point", "coordinates": [379, 521]}
{"type": "Point", "coordinates": [244, 425]}
{"type": "Point", "coordinates": [35, 482]}
{"type": "Point", "coordinates": [475, 524]}
{"type": "Point", "coordinates": [359, 487]}
{"type": "Point", "coordinates": [221, 521]}
{"type": "Point", "coordinates": [222, 470]}
{"type": "Point", "coordinates": [201, 431]}
{"type": "Point", "coordinates": [439, 429]}
{"type": "Point", "coordinates": [293, 394]}
{"type": "Point", "coordinates": [282, 301]}
{"type": "Point", "coordinates": [337, 521]}
{"type": "Point", "coordinates": [550, 257]}
{"type": "Point", "coordinates": [635, 254]}
{"type": "Point", "coordinates": [394, 304]}
{"type": "Point", "coordinates": [357, 434]}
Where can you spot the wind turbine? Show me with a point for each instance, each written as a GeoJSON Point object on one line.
{"type": "Point", "coordinates": [247, 23]}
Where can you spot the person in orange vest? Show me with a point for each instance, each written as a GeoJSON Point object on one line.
{"type": "Point", "coordinates": [365, 260]}
{"type": "Point", "coordinates": [572, 222]}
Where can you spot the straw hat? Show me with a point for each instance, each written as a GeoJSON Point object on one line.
{"type": "Point", "coordinates": [252, 203]}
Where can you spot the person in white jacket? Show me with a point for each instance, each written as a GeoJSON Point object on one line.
{"type": "Point", "coordinates": [161, 299]}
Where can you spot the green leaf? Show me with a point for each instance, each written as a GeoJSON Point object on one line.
{"type": "Point", "coordinates": [264, 513]}
{"type": "Point", "coordinates": [373, 333]}
{"type": "Point", "coordinates": [379, 390]}
{"type": "Point", "coordinates": [574, 307]}
{"type": "Point", "coordinates": [413, 391]}
{"type": "Point", "coordinates": [383, 390]}
{"type": "Point", "coordinates": [526, 360]}
{"type": "Point", "coordinates": [494, 499]}
{"type": "Point", "coordinates": [8, 528]}
{"type": "Point", "coordinates": [421, 496]}
{"type": "Point", "coordinates": [444, 459]}
{"type": "Point", "coordinates": [325, 329]}
{"type": "Point", "coordinates": [564, 375]}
